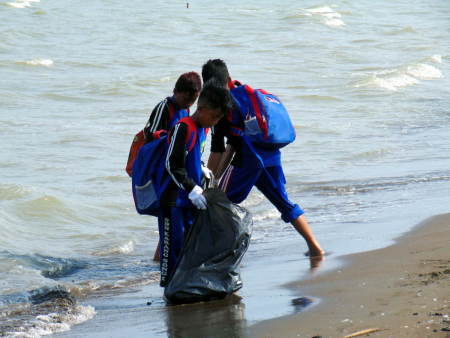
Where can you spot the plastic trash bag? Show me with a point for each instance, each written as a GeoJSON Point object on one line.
{"type": "Point", "coordinates": [208, 267]}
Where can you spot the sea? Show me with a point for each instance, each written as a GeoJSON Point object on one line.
{"type": "Point", "coordinates": [367, 85]}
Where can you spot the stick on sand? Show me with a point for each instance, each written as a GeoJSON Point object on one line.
{"type": "Point", "coordinates": [360, 333]}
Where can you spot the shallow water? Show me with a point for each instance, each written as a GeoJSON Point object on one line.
{"type": "Point", "coordinates": [367, 86]}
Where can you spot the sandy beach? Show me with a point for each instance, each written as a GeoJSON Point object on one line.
{"type": "Point", "coordinates": [399, 291]}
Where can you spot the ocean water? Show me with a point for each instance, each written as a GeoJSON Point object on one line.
{"type": "Point", "coordinates": [367, 85]}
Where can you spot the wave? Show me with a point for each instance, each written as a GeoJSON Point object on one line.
{"type": "Point", "coordinates": [324, 14]}
{"type": "Point", "coordinates": [70, 98]}
{"type": "Point", "coordinates": [46, 207]}
{"type": "Point", "coordinates": [403, 76]}
{"type": "Point", "coordinates": [47, 266]}
{"type": "Point", "coordinates": [371, 154]}
{"type": "Point", "coordinates": [37, 62]}
{"type": "Point", "coordinates": [269, 214]}
{"type": "Point", "coordinates": [327, 15]}
{"type": "Point", "coordinates": [319, 98]}
{"type": "Point", "coordinates": [125, 248]}
{"type": "Point", "coordinates": [22, 4]}
{"type": "Point", "coordinates": [49, 310]}
{"type": "Point", "coordinates": [397, 31]}
{"type": "Point", "coordinates": [13, 192]}
{"type": "Point", "coordinates": [45, 275]}
{"type": "Point", "coordinates": [353, 187]}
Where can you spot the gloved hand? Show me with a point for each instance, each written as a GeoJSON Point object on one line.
{"type": "Point", "coordinates": [207, 172]}
{"type": "Point", "coordinates": [197, 198]}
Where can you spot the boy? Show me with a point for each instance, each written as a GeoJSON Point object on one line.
{"type": "Point", "coordinates": [170, 110]}
{"type": "Point", "coordinates": [243, 173]}
{"type": "Point", "coordinates": [183, 163]}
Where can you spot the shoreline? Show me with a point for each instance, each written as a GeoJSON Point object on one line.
{"type": "Point", "coordinates": [402, 290]}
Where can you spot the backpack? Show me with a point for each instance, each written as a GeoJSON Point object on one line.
{"type": "Point", "coordinates": [149, 177]}
{"type": "Point", "coordinates": [139, 140]}
{"type": "Point", "coordinates": [266, 122]}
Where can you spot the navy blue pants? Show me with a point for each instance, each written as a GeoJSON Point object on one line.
{"type": "Point", "coordinates": [237, 183]}
{"type": "Point", "coordinates": [173, 224]}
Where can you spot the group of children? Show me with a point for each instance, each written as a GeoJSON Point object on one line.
{"type": "Point", "coordinates": [236, 165]}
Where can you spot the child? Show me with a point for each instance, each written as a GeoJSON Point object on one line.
{"type": "Point", "coordinates": [244, 173]}
{"type": "Point", "coordinates": [166, 114]}
{"type": "Point", "coordinates": [183, 163]}
{"type": "Point", "coordinates": [170, 110]}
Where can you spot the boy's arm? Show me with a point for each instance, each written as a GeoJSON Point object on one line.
{"type": "Point", "coordinates": [219, 157]}
{"type": "Point", "coordinates": [176, 157]}
{"type": "Point", "coordinates": [224, 161]}
{"type": "Point", "coordinates": [159, 119]}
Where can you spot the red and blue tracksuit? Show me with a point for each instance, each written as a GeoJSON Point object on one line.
{"type": "Point", "coordinates": [252, 166]}
{"type": "Point", "coordinates": [163, 117]}
{"type": "Point", "coordinates": [183, 163]}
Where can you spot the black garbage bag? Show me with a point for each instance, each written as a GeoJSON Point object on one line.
{"type": "Point", "coordinates": [208, 267]}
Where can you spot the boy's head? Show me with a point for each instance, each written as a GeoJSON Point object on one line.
{"type": "Point", "coordinates": [216, 69]}
{"type": "Point", "coordinates": [187, 88]}
{"type": "Point", "coordinates": [213, 103]}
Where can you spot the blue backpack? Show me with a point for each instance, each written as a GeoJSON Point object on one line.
{"type": "Point", "coordinates": [266, 122]}
{"type": "Point", "coordinates": [149, 177]}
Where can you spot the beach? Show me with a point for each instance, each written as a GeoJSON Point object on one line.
{"type": "Point", "coordinates": [399, 291]}
{"type": "Point", "coordinates": [366, 86]}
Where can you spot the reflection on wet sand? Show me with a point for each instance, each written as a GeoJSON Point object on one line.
{"type": "Point", "coordinates": [222, 318]}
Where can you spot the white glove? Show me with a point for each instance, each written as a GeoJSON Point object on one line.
{"type": "Point", "coordinates": [207, 172]}
{"type": "Point", "coordinates": [197, 198]}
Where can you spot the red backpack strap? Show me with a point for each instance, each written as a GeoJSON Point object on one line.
{"type": "Point", "coordinates": [191, 135]}
{"type": "Point", "coordinates": [262, 123]}
{"type": "Point", "coordinates": [233, 84]}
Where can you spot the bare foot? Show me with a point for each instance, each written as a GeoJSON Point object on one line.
{"type": "Point", "coordinates": [315, 262]}
{"type": "Point", "coordinates": [316, 253]}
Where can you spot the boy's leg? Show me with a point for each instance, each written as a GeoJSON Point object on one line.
{"type": "Point", "coordinates": [271, 183]}
{"type": "Point", "coordinates": [237, 182]}
{"type": "Point", "coordinates": [171, 224]}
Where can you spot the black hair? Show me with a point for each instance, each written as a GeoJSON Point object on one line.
{"type": "Point", "coordinates": [188, 83]}
{"type": "Point", "coordinates": [216, 68]}
{"type": "Point", "coordinates": [215, 96]}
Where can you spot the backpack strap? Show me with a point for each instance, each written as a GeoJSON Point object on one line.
{"type": "Point", "coordinates": [259, 114]}
{"type": "Point", "coordinates": [233, 84]}
{"type": "Point", "coordinates": [191, 135]}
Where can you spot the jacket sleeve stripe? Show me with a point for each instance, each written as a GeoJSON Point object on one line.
{"type": "Point", "coordinates": [157, 119]}
{"type": "Point", "coordinates": [169, 153]}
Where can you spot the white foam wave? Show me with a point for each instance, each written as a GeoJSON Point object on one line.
{"type": "Point", "coordinates": [21, 3]}
{"type": "Point", "coordinates": [402, 76]}
{"type": "Point", "coordinates": [24, 4]}
{"type": "Point", "coordinates": [424, 71]}
{"type": "Point", "coordinates": [271, 214]}
{"type": "Point", "coordinates": [51, 323]}
{"type": "Point", "coordinates": [92, 287]}
{"type": "Point", "coordinates": [334, 22]}
{"type": "Point", "coordinates": [125, 248]}
{"type": "Point", "coordinates": [394, 81]}
{"type": "Point", "coordinates": [145, 279]}
{"type": "Point", "coordinates": [39, 62]}
{"type": "Point", "coordinates": [436, 58]}
{"type": "Point", "coordinates": [321, 9]}
{"type": "Point", "coordinates": [327, 15]}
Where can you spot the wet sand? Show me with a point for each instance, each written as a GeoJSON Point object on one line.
{"type": "Point", "coordinates": [399, 291]}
